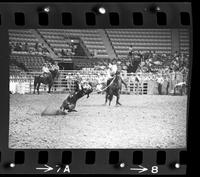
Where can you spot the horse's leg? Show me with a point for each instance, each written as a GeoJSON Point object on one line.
{"type": "Point", "coordinates": [110, 99]}
{"type": "Point", "coordinates": [34, 88]}
{"type": "Point", "coordinates": [106, 98]}
{"type": "Point", "coordinates": [174, 90]}
{"type": "Point", "coordinates": [181, 91]}
{"type": "Point", "coordinates": [38, 87]}
{"type": "Point", "coordinates": [117, 100]}
{"type": "Point", "coordinates": [50, 85]}
{"type": "Point", "coordinates": [35, 85]}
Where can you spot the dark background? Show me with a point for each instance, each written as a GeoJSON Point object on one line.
{"type": "Point", "coordinates": [193, 113]}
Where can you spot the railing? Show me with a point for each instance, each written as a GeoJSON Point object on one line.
{"type": "Point", "coordinates": [24, 83]}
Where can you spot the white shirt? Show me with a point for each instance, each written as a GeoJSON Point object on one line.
{"type": "Point", "coordinates": [113, 68]}
{"type": "Point", "coordinates": [45, 69]}
{"type": "Point", "coordinates": [160, 80]}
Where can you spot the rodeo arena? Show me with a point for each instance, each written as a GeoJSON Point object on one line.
{"type": "Point", "coordinates": [98, 88]}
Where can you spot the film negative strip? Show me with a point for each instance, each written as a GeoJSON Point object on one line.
{"type": "Point", "coordinates": [95, 88]}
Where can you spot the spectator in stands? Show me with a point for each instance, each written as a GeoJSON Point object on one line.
{"type": "Point", "coordinates": [23, 46]}
{"type": "Point", "coordinates": [26, 47]}
{"type": "Point", "coordinates": [36, 46]}
{"type": "Point", "coordinates": [62, 52]}
{"type": "Point", "coordinates": [130, 67]}
{"type": "Point", "coordinates": [17, 47]}
{"type": "Point", "coordinates": [95, 53]}
{"type": "Point", "coordinates": [130, 50]}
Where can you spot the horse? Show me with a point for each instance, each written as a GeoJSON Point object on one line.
{"type": "Point", "coordinates": [70, 102]}
{"type": "Point", "coordinates": [114, 88]}
{"type": "Point", "coordinates": [47, 80]}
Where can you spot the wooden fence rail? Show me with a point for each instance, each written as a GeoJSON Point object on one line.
{"type": "Point", "coordinates": [24, 83]}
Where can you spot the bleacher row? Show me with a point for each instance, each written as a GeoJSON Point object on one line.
{"type": "Point", "coordinates": [159, 40]}
{"type": "Point", "coordinates": [31, 62]}
{"type": "Point", "coordinates": [22, 36]}
{"type": "Point", "coordinates": [56, 39]}
{"type": "Point", "coordinates": [148, 39]}
{"type": "Point", "coordinates": [184, 40]}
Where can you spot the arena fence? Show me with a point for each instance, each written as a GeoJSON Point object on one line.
{"type": "Point", "coordinates": [24, 82]}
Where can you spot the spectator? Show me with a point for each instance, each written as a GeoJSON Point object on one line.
{"type": "Point", "coordinates": [36, 46]}
{"type": "Point", "coordinates": [160, 81]}
{"type": "Point", "coordinates": [26, 47]}
{"type": "Point", "coordinates": [130, 50]}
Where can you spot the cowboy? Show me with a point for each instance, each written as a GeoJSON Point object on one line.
{"type": "Point", "coordinates": [55, 66]}
{"type": "Point", "coordinates": [78, 85]}
{"type": "Point", "coordinates": [50, 66]}
{"type": "Point", "coordinates": [112, 68]}
{"type": "Point", "coordinates": [45, 70]}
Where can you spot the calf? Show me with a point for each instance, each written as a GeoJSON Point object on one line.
{"type": "Point", "coordinates": [70, 102]}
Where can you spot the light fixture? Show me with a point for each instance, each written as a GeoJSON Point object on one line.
{"type": "Point", "coordinates": [101, 10]}
{"type": "Point", "coordinates": [154, 8]}
{"type": "Point", "coordinates": [46, 9]}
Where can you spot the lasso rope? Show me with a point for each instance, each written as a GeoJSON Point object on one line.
{"type": "Point", "coordinates": [108, 85]}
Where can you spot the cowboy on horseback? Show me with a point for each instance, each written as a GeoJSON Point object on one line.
{"type": "Point", "coordinates": [55, 66]}
{"type": "Point", "coordinates": [114, 87]}
{"type": "Point", "coordinates": [114, 69]}
{"type": "Point", "coordinates": [47, 77]}
{"type": "Point", "coordinates": [45, 70]}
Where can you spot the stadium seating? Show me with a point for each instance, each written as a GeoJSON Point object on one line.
{"type": "Point", "coordinates": [22, 36]}
{"type": "Point", "coordinates": [31, 62]}
{"type": "Point", "coordinates": [184, 39]}
{"type": "Point", "coordinates": [158, 40]}
{"type": "Point", "coordinates": [91, 38]}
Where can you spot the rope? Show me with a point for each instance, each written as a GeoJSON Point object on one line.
{"type": "Point", "coordinates": [108, 85]}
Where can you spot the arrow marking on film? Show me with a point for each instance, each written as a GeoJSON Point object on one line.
{"type": "Point", "coordinates": [48, 168]}
{"type": "Point", "coordinates": [140, 170]}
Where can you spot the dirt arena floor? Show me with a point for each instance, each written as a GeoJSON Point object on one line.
{"type": "Point", "coordinates": [143, 121]}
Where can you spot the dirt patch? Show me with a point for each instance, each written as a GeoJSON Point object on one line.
{"type": "Point", "coordinates": [143, 121]}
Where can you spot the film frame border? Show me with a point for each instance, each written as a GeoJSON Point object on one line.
{"type": "Point", "coordinates": [8, 21]}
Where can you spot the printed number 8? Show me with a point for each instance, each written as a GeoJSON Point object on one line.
{"type": "Point", "coordinates": [154, 169]}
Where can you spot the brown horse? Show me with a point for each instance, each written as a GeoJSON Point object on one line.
{"type": "Point", "coordinates": [47, 80]}
{"type": "Point", "coordinates": [114, 88]}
